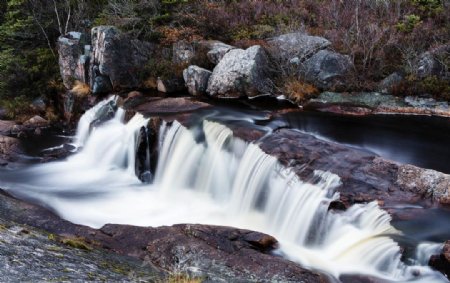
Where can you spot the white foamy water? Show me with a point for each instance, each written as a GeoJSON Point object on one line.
{"type": "Point", "coordinates": [207, 176]}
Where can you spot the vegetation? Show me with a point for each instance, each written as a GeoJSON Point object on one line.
{"type": "Point", "coordinates": [381, 36]}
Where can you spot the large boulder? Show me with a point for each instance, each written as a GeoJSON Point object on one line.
{"type": "Point", "coordinates": [441, 262]}
{"type": "Point", "coordinates": [326, 69]}
{"type": "Point", "coordinates": [196, 80]}
{"type": "Point", "coordinates": [217, 50]}
{"type": "Point", "coordinates": [73, 63]}
{"type": "Point", "coordinates": [297, 45]}
{"type": "Point", "coordinates": [240, 73]}
{"type": "Point", "coordinates": [116, 58]}
{"type": "Point", "coordinates": [390, 82]}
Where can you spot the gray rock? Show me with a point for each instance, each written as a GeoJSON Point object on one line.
{"type": "Point", "coordinates": [10, 148]}
{"type": "Point", "coordinates": [3, 113]}
{"type": "Point", "coordinates": [102, 85]}
{"type": "Point", "coordinates": [240, 73]}
{"type": "Point", "coordinates": [183, 52]}
{"type": "Point", "coordinates": [386, 85]}
{"type": "Point", "coordinates": [36, 121]}
{"type": "Point", "coordinates": [39, 104]}
{"type": "Point", "coordinates": [196, 80]}
{"type": "Point", "coordinates": [326, 69]}
{"type": "Point", "coordinates": [72, 68]}
{"type": "Point", "coordinates": [297, 44]}
{"type": "Point", "coordinates": [428, 65]}
{"type": "Point", "coordinates": [118, 57]}
{"type": "Point", "coordinates": [170, 85]}
{"type": "Point", "coordinates": [217, 50]}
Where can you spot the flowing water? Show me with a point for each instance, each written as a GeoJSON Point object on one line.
{"type": "Point", "coordinates": [205, 175]}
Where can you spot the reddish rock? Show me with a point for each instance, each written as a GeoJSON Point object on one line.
{"type": "Point", "coordinates": [170, 105]}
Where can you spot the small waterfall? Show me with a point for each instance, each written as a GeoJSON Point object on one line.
{"type": "Point", "coordinates": [90, 116]}
{"type": "Point", "coordinates": [205, 175]}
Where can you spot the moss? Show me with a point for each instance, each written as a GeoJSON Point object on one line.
{"type": "Point", "coordinates": [78, 243]}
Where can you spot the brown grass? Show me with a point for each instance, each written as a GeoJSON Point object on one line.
{"type": "Point", "coordinates": [80, 89]}
{"type": "Point", "coordinates": [299, 91]}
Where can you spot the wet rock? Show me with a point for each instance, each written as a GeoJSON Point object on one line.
{"type": "Point", "coordinates": [133, 99]}
{"type": "Point", "coordinates": [389, 83]}
{"type": "Point", "coordinates": [117, 57]}
{"type": "Point", "coordinates": [365, 177]}
{"type": "Point", "coordinates": [240, 73]}
{"type": "Point", "coordinates": [71, 63]}
{"type": "Point", "coordinates": [101, 85]}
{"type": "Point", "coordinates": [10, 148]}
{"type": "Point", "coordinates": [142, 161]}
{"type": "Point", "coordinates": [196, 80]}
{"type": "Point", "coordinates": [217, 51]}
{"type": "Point", "coordinates": [105, 113]}
{"type": "Point", "coordinates": [441, 262]}
{"type": "Point", "coordinates": [183, 52]}
{"type": "Point", "coordinates": [170, 105]}
{"type": "Point", "coordinates": [327, 69]}
{"type": "Point", "coordinates": [170, 85]}
{"type": "Point", "coordinates": [296, 45]}
{"type": "Point", "coordinates": [217, 254]}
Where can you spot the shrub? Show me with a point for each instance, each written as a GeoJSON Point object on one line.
{"type": "Point", "coordinates": [80, 89]}
{"type": "Point", "coordinates": [299, 91]}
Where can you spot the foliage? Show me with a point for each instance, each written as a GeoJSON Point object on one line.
{"type": "Point", "coordinates": [299, 91]}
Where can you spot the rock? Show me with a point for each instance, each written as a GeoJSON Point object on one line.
{"type": "Point", "coordinates": [431, 183]}
{"type": "Point", "coordinates": [327, 69]}
{"type": "Point", "coordinates": [118, 58]}
{"type": "Point", "coordinates": [240, 73]}
{"type": "Point", "coordinates": [73, 66]}
{"type": "Point", "coordinates": [296, 45]}
{"type": "Point", "coordinates": [10, 148]}
{"type": "Point", "coordinates": [217, 50]}
{"type": "Point", "coordinates": [105, 113]}
{"type": "Point", "coordinates": [170, 85]}
{"type": "Point", "coordinates": [183, 52]}
{"type": "Point", "coordinates": [6, 127]}
{"type": "Point", "coordinates": [441, 262]}
{"type": "Point", "coordinates": [170, 105]}
{"type": "Point", "coordinates": [3, 113]}
{"type": "Point", "coordinates": [364, 103]}
{"type": "Point", "coordinates": [196, 80]}
{"type": "Point", "coordinates": [428, 65]}
{"type": "Point", "coordinates": [387, 85]}
{"type": "Point", "coordinates": [35, 122]}
{"type": "Point", "coordinates": [365, 177]}
{"type": "Point", "coordinates": [216, 254]}
{"type": "Point", "coordinates": [39, 105]}
{"type": "Point", "coordinates": [102, 85]}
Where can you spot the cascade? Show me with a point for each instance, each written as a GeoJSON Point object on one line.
{"type": "Point", "coordinates": [205, 175]}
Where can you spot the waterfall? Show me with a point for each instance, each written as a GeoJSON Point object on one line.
{"type": "Point", "coordinates": [205, 175]}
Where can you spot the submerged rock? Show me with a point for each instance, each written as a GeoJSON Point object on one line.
{"type": "Point", "coordinates": [196, 80]}
{"type": "Point", "coordinates": [240, 73]}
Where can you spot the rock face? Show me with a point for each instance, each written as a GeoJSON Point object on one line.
{"type": "Point", "coordinates": [73, 63]}
{"type": "Point", "coordinates": [240, 73]}
{"type": "Point", "coordinates": [297, 45]}
{"type": "Point", "coordinates": [196, 80]}
{"type": "Point", "coordinates": [326, 69]}
{"type": "Point", "coordinates": [116, 58]}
